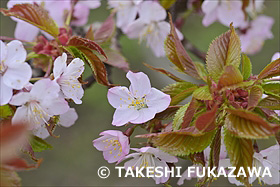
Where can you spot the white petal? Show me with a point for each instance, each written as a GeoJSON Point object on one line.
{"type": "Point", "coordinates": [158, 100]}
{"type": "Point", "coordinates": [18, 75]}
{"type": "Point", "coordinates": [75, 68]}
{"type": "Point", "coordinates": [160, 154]}
{"type": "Point", "coordinates": [16, 53]}
{"type": "Point", "coordinates": [209, 6]}
{"type": "Point", "coordinates": [165, 176]}
{"type": "Point", "coordinates": [209, 18]}
{"type": "Point", "coordinates": [59, 65]}
{"type": "Point", "coordinates": [41, 132]}
{"type": "Point", "coordinates": [57, 13]}
{"type": "Point", "coordinates": [6, 92]}
{"type": "Point", "coordinates": [135, 29]}
{"type": "Point", "coordinates": [81, 13]}
{"type": "Point", "coordinates": [91, 3]}
{"type": "Point", "coordinates": [55, 106]}
{"type": "Point", "coordinates": [275, 56]}
{"type": "Point", "coordinates": [21, 116]}
{"type": "Point", "coordinates": [123, 116]}
{"type": "Point", "coordinates": [3, 50]}
{"type": "Point", "coordinates": [151, 11]}
{"type": "Point", "coordinates": [71, 88]}
{"type": "Point", "coordinates": [140, 83]}
{"type": "Point", "coordinates": [26, 31]}
{"type": "Point", "coordinates": [145, 114]}
{"type": "Point", "coordinates": [126, 16]}
{"type": "Point", "coordinates": [118, 96]}
{"type": "Point", "coordinates": [45, 89]}
{"type": "Point", "coordinates": [69, 118]}
{"type": "Point", "coordinates": [20, 98]}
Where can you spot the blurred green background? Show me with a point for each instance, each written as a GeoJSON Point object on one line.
{"type": "Point", "coordinates": [73, 161]}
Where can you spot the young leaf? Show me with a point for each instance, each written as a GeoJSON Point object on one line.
{"type": "Point", "coordinates": [203, 93]}
{"type": "Point", "coordinates": [179, 91]}
{"type": "Point", "coordinates": [97, 66]}
{"type": "Point", "coordinates": [192, 108]}
{"type": "Point", "coordinates": [255, 95]}
{"type": "Point", "coordinates": [246, 67]}
{"type": "Point", "coordinates": [5, 111]}
{"type": "Point", "coordinates": [39, 145]}
{"type": "Point", "coordinates": [240, 151]}
{"type": "Point", "coordinates": [78, 41]}
{"type": "Point", "coordinates": [181, 143]}
{"type": "Point", "coordinates": [246, 124]}
{"type": "Point", "coordinates": [178, 118]}
{"type": "Point", "coordinates": [163, 71]}
{"type": "Point", "coordinates": [207, 121]}
{"type": "Point", "coordinates": [116, 59]}
{"type": "Point", "coordinates": [215, 146]}
{"type": "Point", "coordinates": [201, 70]}
{"type": "Point", "coordinates": [177, 54]}
{"type": "Point", "coordinates": [272, 88]}
{"type": "Point", "coordinates": [19, 164]}
{"type": "Point", "coordinates": [231, 76]}
{"type": "Point", "coordinates": [224, 51]}
{"type": "Point", "coordinates": [106, 31]}
{"type": "Point", "coordinates": [271, 70]}
{"type": "Point", "coordinates": [9, 177]}
{"type": "Point", "coordinates": [35, 15]}
{"type": "Point", "coordinates": [167, 4]}
{"type": "Point", "coordinates": [270, 102]}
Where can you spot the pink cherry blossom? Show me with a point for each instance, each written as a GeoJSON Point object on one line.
{"type": "Point", "coordinates": [151, 26]}
{"type": "Point", "coordinates": [39, 105]}
{"type": "Point", "coordinates": [223, 12]}
{"type": "Point", "coordinates": [67, 77]}
{"type": "Point", "coordinates": [66, 119]}
{"type": "Point", "coordinates": [114, 144]}
{"type": "Point", "coordinates": [126, 11]}
{"type": "Point", "coordinates": [139, 103]}
{"type": "Point", "coordinates": [259, 31]}
{"type": "Point", "coordinates": [275, 56]}
{"type": "Point", "coordinates": [151, 157]}
{"type": "Point", "coordinates": [15, 73]}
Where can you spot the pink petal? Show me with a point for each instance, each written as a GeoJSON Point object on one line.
{"type": "Point", "coordinates": [209, 6]}
{"type": "Point", "coordinates": [123, 116]}
{"type": "Point", "coordinates": [21, 34]}
{"type": "Point", "coordinates": [81, 13]}
{"type": "Point", "coordinates": [59, 65]}
{"type": "Point", "coordinates": [68, 118]}
{"type": "Point", "coordinates": [162, 155]}
{"type": "Point", "coordinates": [117, 96]}
{"type": "Point", "coordinates": [145, 114]}
{"type": "Point", "coordinates": [151, 11]}
{"type": "Point", "coordinates": [92, 4]}
{"type": "Point", "coordinates": [45, 89]}
{"type": "Point", "coordinates": [158, 100]}
{"type": "Point", "coordinates": [163, 165]}
{"type": "Point", "coordinates": [6, 92]}
{"type": "Point", "coordinates": [3, 51]}
{"type": "Point", "coordinates": [41, 132]}
{"type": "Point", "coordinates": [21, 116]}
{"type": "Point", "coordinates": [75, 68]}
{"type": "Point", "coordinates": [56, 106]}
{"type": "Point", "coordinates": [16, 53]}
{"type": "Point", "coordinates": [135, 29]}
{"type": "Point", "coordinates": [20, 98]}
{"type": "Point", "coordinates": [140, 84]}
{"type": "Point", "coordinates": [275, 56]}
{"type": "Point", "coordinates": [57, 9]}
{"type": "Point", "coordinates": [71, 88]}
{"type": "Point", "coordinates": [125, 16]}
{"type": "Point", "coordinates": [209, 18]}
{"type": "Point", "coordinates": [18, 75]}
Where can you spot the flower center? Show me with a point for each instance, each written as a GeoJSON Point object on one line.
{"type": "Point", "coordinates": [2, 67]}
{"type": "Point", "coordinates": [115, 144]}
{"type": "Point", "coordinates": [138, 103]}
{"type": "Point", "coordinates": [37, 114]}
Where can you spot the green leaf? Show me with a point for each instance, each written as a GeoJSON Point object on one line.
{"type": "Point", "coordinates": [270, 102]}
{"type": "Point", "coordinates": [39, 145]}
{"type": "Point", "coordinates": [231, 76]}
{"type": "Point", "coordinates": [35, 15]}
{"type": "Point", "coordinates": [167, 4]}
{"type": "Point", "coordinates": [246, 124]}
{"type": "Point", "coordinates": [177, 54]}
{"type": "Point", "coordinates": [179, 91]}
{"type": "Point", "coordinates": [5, 111]}
{"type": "Point", "coordinates": [240, 151]}
{"type": "Point", "coordinates": [272, 88]}
{"type": "Point", "coordinates": [255, 95]}
{"type": "Point", "coordinates": [163, 71]}
{"type": "Point", "coordinates": [178, 118]}
{"type": "Point", "coordinates": [223, 51]}
{"type": "Point", "coordinates": [271, 70]}
{"type": "Point", "coordinates": [246, 67]}
{"type": "Point", "coordinates": [203, 93]}
{"type": "Point", "coordinates": [181, 143]}
{"type": "Point", "coordinates": [207, 121]}
{"type": "Point", "coordinates": [201, 70]}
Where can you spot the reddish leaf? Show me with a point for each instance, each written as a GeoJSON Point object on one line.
{"type": "Point", "coordinates": [106, 31]}
{"type": "Point", "coordinates": [90, 34]}
{"type": "Point", "coordinates": [215, 146]}
{"type": "Point", "coordinates": [231, 76]}
{"type": "Point", "coordinates": [206, 121]}
{"type": "Point", "coordinates": [270, 102]}
{"type": "Point", "coordinates": [97, 66]}
{"type": "Point", "coordinates": [254, 96]}
{"type": "Point", "coordinates": [116, 59]}
{"type": "Point", "coordinates": [35, 15]}
{"type": "Point", "coordinates": [271, 70]}
{"type": "Point", "coordinates": [168, 113]}
{"type": "Point", "coordinates": [194, 105]}
{"type": "Point", "coordinates": [163, 71]}
{"type": "Point", "coordinates": [19, 164]}
{"type": "Point", "coordinates": [177, 54]}
{"type": "Point", "coordinates": [86, 43]}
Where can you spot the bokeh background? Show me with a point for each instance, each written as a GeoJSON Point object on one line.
{"type": "Point", "coordinates": [73, 161]}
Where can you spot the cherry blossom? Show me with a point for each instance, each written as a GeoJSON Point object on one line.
{"type": "Point", "coordinates": [15, 73]}
{"type": "Point", "coordinates": [139, 103]}
{"type": "Point", "coordinates": [114, 144]}
{"type": "Point", "coordinates": [66, 119]}
{"type": "Point", "coordinates": [275, 56]}
{"type": "Point", "coordinates": [39, 105]}
{"type": "Point", "coordinates": [223, 12]}
{"type": "Point", "coordinates": [151, 157]}
{"type": "Point", "coordinates": [254, 37]}
{"type": "Point", "coordinates": [126, 11]}
{"type": "Point", "coordinates": [57, 10]}
{"type": "Point", "coordinates": [265, 158]}
{"type": "Point", "coordinates": [151, 26]}
{"type": "Point", "coordinates": [67, 77]}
